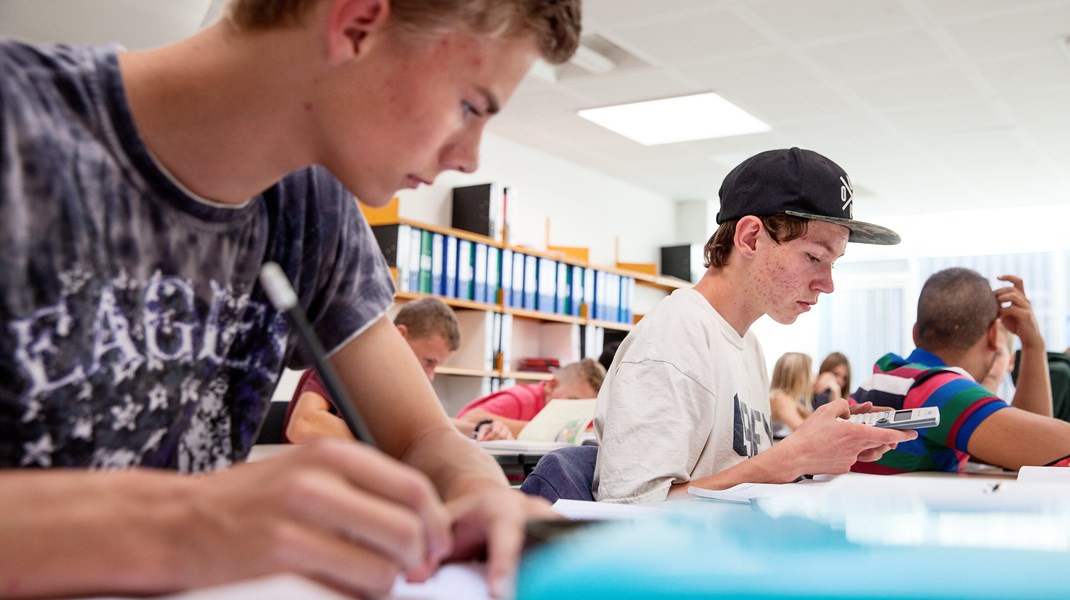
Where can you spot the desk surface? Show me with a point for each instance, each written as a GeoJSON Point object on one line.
{"type": "Point", "coordinates": [516, 463]}
{"type": "Point", "coordinates": [933, 537]}
{"type": "Point", "coordinates": [451, 582]}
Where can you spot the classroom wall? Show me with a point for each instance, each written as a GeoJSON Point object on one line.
{"type": "Point", "coordinates": [585, 208]}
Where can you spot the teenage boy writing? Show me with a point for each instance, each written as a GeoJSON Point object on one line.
{"type": "Point", "coordinates": [140, 193]}
{"type": "Point", "coordinates": [686, 401]}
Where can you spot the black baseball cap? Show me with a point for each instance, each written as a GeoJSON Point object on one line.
{"type": "Point", "coordinates": [796, 182]}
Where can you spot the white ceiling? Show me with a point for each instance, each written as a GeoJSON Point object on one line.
{"type": "Point", "coordinates": [928, 104]}
{"type": "Point", "coordinates": [954, 104]}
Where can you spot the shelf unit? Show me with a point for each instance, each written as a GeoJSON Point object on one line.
{"type": "Point", "coordinates": [530, 332]}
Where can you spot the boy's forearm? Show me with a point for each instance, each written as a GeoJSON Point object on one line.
{"type": "Point", "coordinates": [454, 464]}
{"type": "Point", "coordinates": [1033, 392]}
{"type": "Point", "coordinates": [766, 467]}
{"type": "Point", "coordinates": [72, 533]}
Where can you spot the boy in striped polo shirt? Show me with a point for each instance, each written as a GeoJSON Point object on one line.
{"type": "Point", "coordinates": [957, 336]}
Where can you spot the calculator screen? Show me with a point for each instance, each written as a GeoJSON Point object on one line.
{"type": "Point", "coordinates": [901, 415]}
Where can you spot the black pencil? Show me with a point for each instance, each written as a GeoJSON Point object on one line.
{"type": "Point", "coordinates": [282, 295]}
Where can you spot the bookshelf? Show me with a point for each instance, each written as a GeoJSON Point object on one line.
{"type": "Point", "coordinates": [512, 301]}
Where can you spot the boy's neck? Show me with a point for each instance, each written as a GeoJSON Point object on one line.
{"type": "Point", "coordinates": [222, 111]}
{"type": "Point", "coordinates": [729, 295]}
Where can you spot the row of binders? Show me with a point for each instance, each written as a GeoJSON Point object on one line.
{"type": "Point", "coordinates": [436, 263]}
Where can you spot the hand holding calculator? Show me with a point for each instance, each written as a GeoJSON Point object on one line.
{"type": "Point", "coordinates": [911, 418]}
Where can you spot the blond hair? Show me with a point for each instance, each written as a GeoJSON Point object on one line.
{"type": "Point", "coordinates": [792, 377]}
{"type": "Point", "coordinates": [555, 24]}
{"type": "Point", "coordinates": [587, 370]}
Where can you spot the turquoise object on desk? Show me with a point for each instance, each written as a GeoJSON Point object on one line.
{"type": "Point", "coordinates": [750, 555]}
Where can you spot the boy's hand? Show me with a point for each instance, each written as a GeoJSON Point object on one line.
{"type": "Point", "coordinates": [866, 407]}
{"type": "Point", "coordinates": [495, 430]}
{"type": "Point", "coordinates": [827, 382]}
{"type": "Point", "coordinates": [825, 443]}
{"type": "Point", "coordinates": [1016, 312]}
{"type": "Point", "coordinates": [340, 513]}
{"type": "Point", "coordinates": [491, 519]}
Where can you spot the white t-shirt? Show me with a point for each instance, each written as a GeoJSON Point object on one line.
{"type": "Point", "coordinates": [686, 397]}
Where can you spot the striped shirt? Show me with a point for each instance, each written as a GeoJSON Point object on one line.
{"type": "Point", "coordinates": [924, 380]}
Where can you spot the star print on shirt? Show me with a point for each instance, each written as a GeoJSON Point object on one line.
{"type": "Point", "coordinates": [83, 429]}
{"type": "Point", "coordinates": [38, 453]}
{"type": "Point", "coordinates": [126, 415]}
{"type": "Point", "coordinates": [157, 397]}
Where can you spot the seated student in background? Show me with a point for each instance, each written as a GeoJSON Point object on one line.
{"type": "Point", "coordinates": [609, 350]}
{"type": "Point", "coordinates": [958, 336]}
{"type": "Point", "coordinates": [517, 405]}
{"type": "Point", "coordinates": [431, 330]}
{"type": "Point", "coordinates": [838, 368]}
{"type": "Point", "coordinates": [793, 389]}
{"type": "Point", "coordinates": [141, 192]}
{"type": "Point", "coordinates": [686, 401]}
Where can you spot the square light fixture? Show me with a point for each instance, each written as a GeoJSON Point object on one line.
{"type": "Point", "coordinates": [680, 119]}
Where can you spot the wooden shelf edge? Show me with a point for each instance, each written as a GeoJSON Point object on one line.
{"type": "Point", "coordinates": [463, 372]}
{"type": "Point", "coordinates": [457, 302]}
{"type": "Point", "coordinates": [457, 233]}
{"type": "Point", "coordinates": [527, 375]}
{"type": "Point", "coordinates": [537, 315]}
{"type": "Point", "coordinates": [670, 283]}
{"type": "Point", "coordinates": [557, 256]}
{"type": "Point", "coordinates": [658, 281]}
{"type": "Point", "coordinates": [611, 325]}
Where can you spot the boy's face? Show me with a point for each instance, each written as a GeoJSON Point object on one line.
{"type": "Point", "coordinates": [431, 351]}
{"type": "Point", "coordinates": [840, 373]}
{"type": "Point", "coordinates": [401, 112]}
{"type": "Point", "coordinates": [790, 276]}
{"type": "Point", "coordinates": [571, 390]}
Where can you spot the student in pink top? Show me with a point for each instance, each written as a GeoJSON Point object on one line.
{"type": "Point", "coordinates": [517, 405]}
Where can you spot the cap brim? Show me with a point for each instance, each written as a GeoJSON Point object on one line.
{"type": "Point", "coordinates": [861, 233]}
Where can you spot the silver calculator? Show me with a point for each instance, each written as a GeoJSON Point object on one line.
{"type": "Point", "coordinates": [911, 418]}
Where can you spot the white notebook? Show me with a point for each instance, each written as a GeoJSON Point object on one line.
{"type": "Point", "coordinates": [560, 420]}
{"type": "Point", "coordinates": [560, 423]}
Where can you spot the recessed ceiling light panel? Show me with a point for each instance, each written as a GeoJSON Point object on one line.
{"type": "Point", "coordinates": [680, 119]}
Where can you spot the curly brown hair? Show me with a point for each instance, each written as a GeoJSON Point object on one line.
{"type": "Point", "coordinates": [782, 228]}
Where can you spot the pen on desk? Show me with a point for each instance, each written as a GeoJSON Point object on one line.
{"type": "Point", "coordinates": [283, 297]}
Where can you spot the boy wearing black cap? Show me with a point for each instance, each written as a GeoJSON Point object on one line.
{"type": "Point", "coordinates": [686, 401]}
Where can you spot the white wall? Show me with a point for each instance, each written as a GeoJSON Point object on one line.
{"type": "Point", "coordinates": [586, 208]}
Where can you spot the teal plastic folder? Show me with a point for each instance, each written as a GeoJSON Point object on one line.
{"type": "Point", "coordinates": [746, 554]}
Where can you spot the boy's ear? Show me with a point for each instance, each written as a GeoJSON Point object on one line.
{"type": "Point", "coordinates": [352, 24]}
{"type": "Point", "coordinates": [747, 231]}
{"type": "Point", "coordinates": [403, 330]}
{"type": "Point", "coordinates": [992, 335]}
{"type": "Point", "coordinates": [549, 387]}
{"type": "Point", "coordinates": [915, 334]}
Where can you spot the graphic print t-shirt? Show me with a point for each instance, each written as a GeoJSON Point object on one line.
{"type": "Point", "coordinates": [133, 331]}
